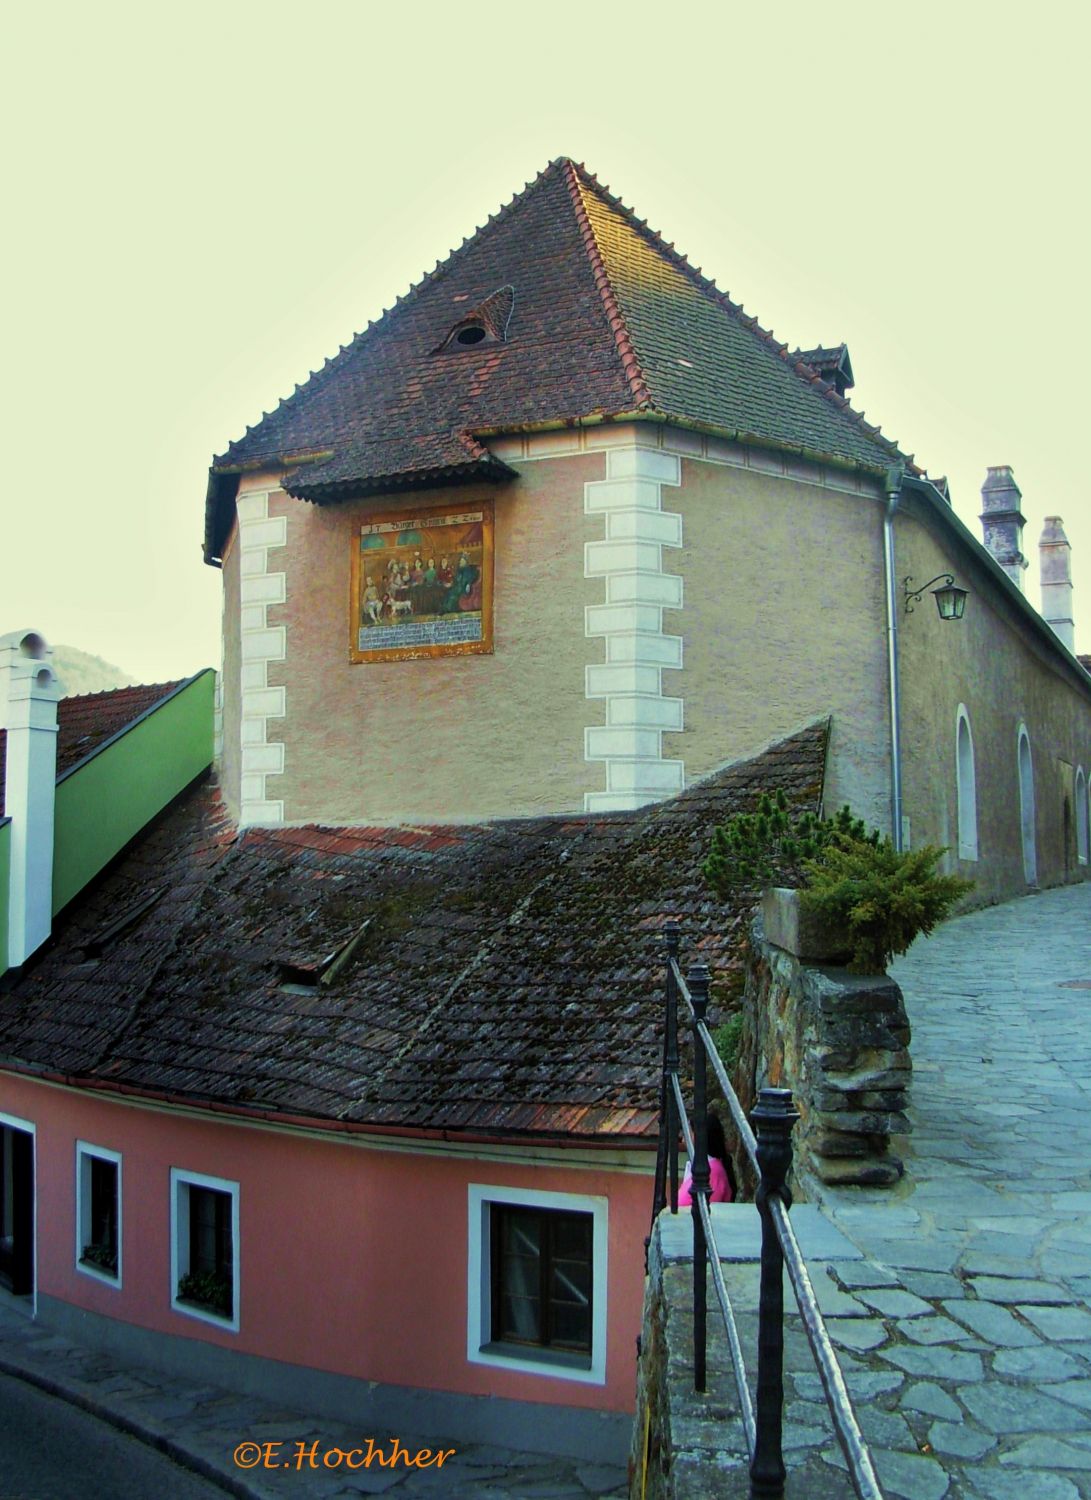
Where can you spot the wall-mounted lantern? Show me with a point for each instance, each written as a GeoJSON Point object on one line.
{"type": "Point", "coordinates": [950, 599]}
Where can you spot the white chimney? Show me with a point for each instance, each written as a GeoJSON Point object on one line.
{"type": "Point", "coordinates": [28, 711]}
{"type": "Point", "coordinates": [1055, 558]}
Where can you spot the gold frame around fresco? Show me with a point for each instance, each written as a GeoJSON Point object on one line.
{"type": "Point", "coordinates": [417, 520]}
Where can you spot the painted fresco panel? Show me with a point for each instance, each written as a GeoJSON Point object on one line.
{"type": "Point", "coordinates": [422, 584]}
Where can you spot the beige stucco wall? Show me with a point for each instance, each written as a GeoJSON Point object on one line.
{"type": "Point", "coordinates": [448, 738]}
{"type": "Point", "coordinates": [994, 663]}
{"type": "Point", "coordinates": [783, 622]}
{"type": "Point", "coordinates": [230, 764]}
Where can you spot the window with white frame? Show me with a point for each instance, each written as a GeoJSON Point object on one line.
{"type": "Point", "coordinates": [1083, 817]}
{"type": "Point", "coordinates": [967, 787]}
{"type": "Point", "coordinates": [98, 1212]}
{"type": "Point", "coordinates": [205, 1247]}
{"type": "Point", "coordinates": [536, 1294]}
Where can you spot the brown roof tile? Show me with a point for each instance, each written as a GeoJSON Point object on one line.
{"type": "Point", "coordinates": [601, 317]}
{"type": "Point", "coordinates": [508, 979]}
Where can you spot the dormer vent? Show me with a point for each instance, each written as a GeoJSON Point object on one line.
{"type": "Point", "coordinates": [831, 365]}
{"type": "Point", "coordinates": [487, 323]}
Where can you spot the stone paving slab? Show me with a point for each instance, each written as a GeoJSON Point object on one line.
{"type": "Point", "coordinates": [991, 1228]}
{"type": "Point", "coordinates": [962, 1314]}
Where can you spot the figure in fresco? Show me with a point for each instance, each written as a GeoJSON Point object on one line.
{"type": "Point", "coordinates": [373, 605]}
{"type": "Point", "coordinates": [466, 575]}
{"type": "Point", "coordinates": [428, 594]}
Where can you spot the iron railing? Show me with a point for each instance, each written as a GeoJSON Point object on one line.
{"type": "Point", "coordinates": [770, 1154]}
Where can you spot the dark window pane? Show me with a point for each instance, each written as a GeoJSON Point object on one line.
{"type": "Point", "coordinates": [542, 1291]}
{"type": "Point", "coordinates": [520, 1319]}
{"type": "Point", "coordinates": [521, 1234]}
{"type": "Point", "coordinates": [571, 1281]}
{"type": "Point", "coordinates": [101, 1247]}
{"type": "Point", "coordinates": [572, 1236]}
{"type": "Point", "coordinates": [572, 1327]}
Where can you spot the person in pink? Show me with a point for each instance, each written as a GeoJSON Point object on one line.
{"type": "Point", "coordinates": [719, 1166]}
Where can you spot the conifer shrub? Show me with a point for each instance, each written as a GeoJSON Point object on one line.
{"type": "Point", "coordinates": [881, 897]}
{"type": "Point", "coordinates": [851, 878]}
{"type": "Point", "coordinates": [766, 847]}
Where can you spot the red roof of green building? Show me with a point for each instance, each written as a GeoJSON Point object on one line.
{"type": "Point", "coordinates": [579, 311]}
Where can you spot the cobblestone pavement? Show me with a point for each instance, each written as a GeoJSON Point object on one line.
{"type": "Point", "coordinates": [200, 1426]}
{"type": "Point", "coordinates": [966, 1329]}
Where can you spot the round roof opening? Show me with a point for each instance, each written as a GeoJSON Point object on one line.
{"type": "Point", "coordinates": [473, 333]}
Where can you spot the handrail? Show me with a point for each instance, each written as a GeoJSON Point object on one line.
{"type": "Point", "coordinates": [770, 1154]}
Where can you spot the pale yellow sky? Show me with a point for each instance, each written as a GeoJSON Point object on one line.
{"type": "Point", "coordinates": [204, 202]}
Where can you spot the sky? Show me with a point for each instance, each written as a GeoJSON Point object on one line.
{"type": "Point", "coordinates": [204, 202]}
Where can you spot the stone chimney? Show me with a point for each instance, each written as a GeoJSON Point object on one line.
{"type": "Point", "coordinates": [1055, 555]}
{"type": "Point", "coordinates": [1002, 522]}
{"type": "Point", "coordinates": [28, 712]}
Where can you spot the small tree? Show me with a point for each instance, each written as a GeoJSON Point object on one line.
{"type": "Point", "coordinates": [881, 898]}
{"type": "Point", "coordinates": [751, 850]}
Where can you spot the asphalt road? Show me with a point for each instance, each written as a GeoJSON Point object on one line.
{"type": "Point", "coordinates": [52, 1451]}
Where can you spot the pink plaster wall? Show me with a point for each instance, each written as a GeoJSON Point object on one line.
{"type": "Point", "coordinates": [352, 1260]}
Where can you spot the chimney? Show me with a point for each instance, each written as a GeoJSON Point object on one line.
{"type": "Point", "coordinates": [1055, 556]}
{"type": "Point", "coordinates": [1002, 522]}
{"type": "Point", "coordinates": [28, 711]}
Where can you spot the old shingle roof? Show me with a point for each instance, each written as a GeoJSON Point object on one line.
{"type": "Point", "coordinates": [507, 981]}
{"type": "Point", "coordinates": [605, 318]}
{"type": "Point", "coordinates": [88, 720]}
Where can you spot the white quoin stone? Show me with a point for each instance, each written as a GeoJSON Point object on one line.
{"type": "Point", "coordinates": [28, 712]}
{"type": "Point", "coordinates": [1055, 561]}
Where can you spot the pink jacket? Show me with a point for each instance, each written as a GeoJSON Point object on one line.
{"type": "Point", "coordinates": [721, 1188]}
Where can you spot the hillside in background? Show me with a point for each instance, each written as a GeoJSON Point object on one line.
{"type": "Point", "coordinates": [80, 672]}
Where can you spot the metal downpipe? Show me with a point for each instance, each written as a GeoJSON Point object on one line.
{"type": "Point", "coordinates": [894, 480]}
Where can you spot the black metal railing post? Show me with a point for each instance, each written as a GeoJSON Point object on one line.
{"type": "Point", "coordinates": [671, 1061]}
{"type": "Point", "coordinates": [666, 1093]}
{"type": "Point", "coordinates": [697, 981]}
{"type": "Point", "coordinates": [773, 1118]}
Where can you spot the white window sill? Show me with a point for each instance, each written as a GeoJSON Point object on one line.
{"type": "Point", "coordinates": [549, 1362]}
{"type": "Point", "coordinates": [217, 1320]}
{"type": "Point", "coordinates": [96, 1273]}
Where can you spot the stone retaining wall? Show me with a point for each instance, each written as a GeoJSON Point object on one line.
{"type": "Point", "coordinates": [840, 1042]}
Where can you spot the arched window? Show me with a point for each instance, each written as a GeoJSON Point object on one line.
{"type": "Point", "coordinates": [1083, 817]}
{"type": "Point", "coordinates": [1026, 807]}
{"type": "Point", "coordinates": [967, 787]}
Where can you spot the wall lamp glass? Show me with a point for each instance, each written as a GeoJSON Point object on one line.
{"type": "Point", "coordinates": [950, 599]}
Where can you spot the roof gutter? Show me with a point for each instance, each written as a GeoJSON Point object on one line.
{"type": "Point", "coordinates": [688, 424]}
{"type": "Point", "coordinates": [264, 1115]}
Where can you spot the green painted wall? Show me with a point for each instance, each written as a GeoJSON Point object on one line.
{"type": "Point", "coordinates": [106, 802]}
{"type": "Point", "coordinates": [5, 888]}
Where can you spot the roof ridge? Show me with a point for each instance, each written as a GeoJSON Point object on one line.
{"type": "Point", "coordinates": [317, 379]}
{"type": "Point", "coordinates": [707, 286]}
{"type": "Point", "coordinates": [125, 687]}
{"type": "Point", "coordinates": [630, 361]}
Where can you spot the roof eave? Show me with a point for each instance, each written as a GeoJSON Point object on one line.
{"type": "Point", "coordinates": [692, 424]}
{"type": "Point", "coordinates": [491, 470]}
